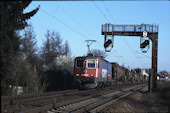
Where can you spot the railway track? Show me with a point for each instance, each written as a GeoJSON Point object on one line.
{"type": "Point", "coordinates": [92, 102]}
{"type": "Point", "coordinates": [15, 103]}
{"type": "Point", "coordinates": [21, 102]}
{"type": "Point", "coordinates": [96, 102]}
{"type": "Point", "coordinates": [16, 98]}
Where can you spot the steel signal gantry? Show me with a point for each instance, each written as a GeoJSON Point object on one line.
{"type": "Point", "coordinates": [143, 30]}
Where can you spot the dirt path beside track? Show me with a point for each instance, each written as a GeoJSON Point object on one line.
{"type": "Point", "coordinates": [142, 102]}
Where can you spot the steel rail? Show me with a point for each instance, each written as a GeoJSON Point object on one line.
{"type": "Point", "coordinates": [55, 106]}
{"type": "Point", "coordinates": [111, 101]}
{"type": "Point", "coordinates": [87, 105]}
{"type": "Point", "coordinates": [17, 97]}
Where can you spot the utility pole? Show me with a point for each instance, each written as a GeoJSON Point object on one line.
{"type": "Point", "coordinates": [144, 31]}
{"type": "Point", "coordinates": [89, 42]}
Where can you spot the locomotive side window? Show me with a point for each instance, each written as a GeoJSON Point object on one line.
{"type": "Point", "coordinates": [80, 63]}
{"type": "Point", "coordinates": [91, 64]}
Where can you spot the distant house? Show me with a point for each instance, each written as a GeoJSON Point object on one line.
{"type": "Point", "coordinates": [169, 75]}
{"type": "Point", "coordinates": [143, 73]}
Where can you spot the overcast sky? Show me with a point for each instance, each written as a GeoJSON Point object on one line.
{"type": "Point", "coordinates": [77, 21]}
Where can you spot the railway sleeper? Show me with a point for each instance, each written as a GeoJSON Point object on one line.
{"type": "Point", "coordinates": [87, 106]}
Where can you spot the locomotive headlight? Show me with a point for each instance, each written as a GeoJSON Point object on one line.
{"type": "Point", "coordinates": [92, 75]}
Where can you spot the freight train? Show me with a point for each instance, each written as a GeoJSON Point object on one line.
{"type": "Point", "coordinates": [95, 72]}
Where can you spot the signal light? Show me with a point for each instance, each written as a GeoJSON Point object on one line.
{"type": "Point", "coordinates": [107, 43]}
{"type": "Point", "coordinates": [92, 75]}
{"type": "Point", "coordinates": [144, 44]}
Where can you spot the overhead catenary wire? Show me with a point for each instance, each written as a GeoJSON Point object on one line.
{"type": "Point", "coordinates": [73, 29]}
{"type": "Point", "coordinates": [144, 55]}
{"type": "Point", "coordinates": [75, 20]}
{"type": "Point", "coordinates": [100, 11]}
{"type": "Point", "coordinates": [79, 23]}
{"type": "Point", "coordinates": [121, 38]}
{"type": "Point", "coordinates": [103, 15]}
{"type": "Point", "coordinates": [108, 11]}
{"type": "Point", "coordinates": [65, 23]}
{"type": "Point", "coordinates": [132, 51]}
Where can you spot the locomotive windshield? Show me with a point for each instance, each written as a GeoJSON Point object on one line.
{"type": "Point", "coordinates": [80, 63]}
{"type": "Point", "coordinates": [91, 64]}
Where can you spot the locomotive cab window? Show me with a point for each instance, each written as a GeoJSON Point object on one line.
{"type": "Point", "coordinates": [79, 63]}
{"type": "Point", "coordinates": [91, 64]}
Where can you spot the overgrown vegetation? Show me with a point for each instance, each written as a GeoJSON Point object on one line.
{"type": "Point", "coordinates": [158, 102]}
{"type": "Point", "coordinates": [12, 20]}
{"type": "Point", "coordinates": [22, 65]}
{"type": "Point", "coordinates": [56, 60]}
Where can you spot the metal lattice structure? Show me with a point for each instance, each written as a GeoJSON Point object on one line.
{"type": "Point", "coordinates": [129, 30]}
{"type": "Point", "coordinates": [143, 31]}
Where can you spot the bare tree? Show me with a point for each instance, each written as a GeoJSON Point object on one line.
{"type": "Point", "coordinates": [26, 69]}
{"type": "Point", "coordinates": [67, 50]}
{"type": "Point", "coordinates": [98, 52]}
{"type": "Point", "coordinates": [28, 41]}
{"type": "Point", "coordinates": [46, 48]}
{"type": "Point", "coordinates": [56, 43]}
{"type": "Point", "coordinates": [52, 47]}
{"type": "Point", "coordinates": [56, 57]}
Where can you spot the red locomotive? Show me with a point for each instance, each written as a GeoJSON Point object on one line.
{"type": "Point", "coordinates": [92, 72]}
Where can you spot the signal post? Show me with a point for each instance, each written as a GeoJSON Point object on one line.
{"type": "Point", "coordinates": [153, 80]}
{"type": "Point", "coordinates": [144, 31]}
